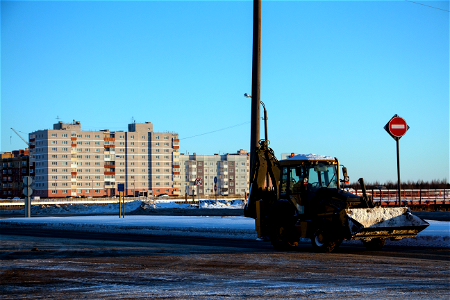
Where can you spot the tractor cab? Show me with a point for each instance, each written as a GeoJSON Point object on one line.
{"type": "Point", "coordinates": [311, 182]}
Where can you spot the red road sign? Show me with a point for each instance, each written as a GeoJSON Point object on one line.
{"type": "Point", "coordinates": [215, 187]}
{"type": "Point", "coordinates": [198, 181]}
{"type": "Point", "coordinates": [396, 127]}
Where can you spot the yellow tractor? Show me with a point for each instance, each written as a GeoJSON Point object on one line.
{"type": "Point", "coordinates": [305, 200]}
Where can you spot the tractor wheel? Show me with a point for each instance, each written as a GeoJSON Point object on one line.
{"type": "Point", "coordinates": [321, 243]}
{"type": "Point", "coordinates": [374, 244]}
{"type": "Point", "coordinates": [282, 233]}
{"type": "Point", "coordinates": [282, 238]}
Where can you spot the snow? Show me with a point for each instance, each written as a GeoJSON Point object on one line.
{"type": "Point", "coordinates": [237, 227]}
{"type": "Point", "coordinates": [436, 235]}
{"type": "Point", "coordinates": [129, 207]}
{"type": "Point", "coordinates": [310, 156]}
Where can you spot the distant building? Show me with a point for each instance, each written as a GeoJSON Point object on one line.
{"type": "Point", "coordinates": [14, 166]}
{"type": "Point", "coordinates": [73, 162]}
{"type": "Point", "coordinates": [231, 171]}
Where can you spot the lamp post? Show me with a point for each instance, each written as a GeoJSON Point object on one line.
{"type": "Point", "coordinates": [265, 138]}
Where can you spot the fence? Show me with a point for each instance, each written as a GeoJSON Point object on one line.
{"type": "Point", "coordinates": [409, 197]}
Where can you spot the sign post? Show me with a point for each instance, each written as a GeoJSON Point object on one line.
{"type": "Point", "coordinates": [198, 182]}
{"type": "Point", "coordinates": [215, 188]}
{"type": "Point", "coordinates": [27, 191]}
{"type": "Point", "coordinates": [121, 189]}
{"type": "Point", "coordinates": [397, 127]}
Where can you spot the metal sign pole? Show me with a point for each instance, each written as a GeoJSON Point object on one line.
{"type": "Point", "coordinates": [123, 205]}
{"type": "Point", "coordinates": [398, 174]}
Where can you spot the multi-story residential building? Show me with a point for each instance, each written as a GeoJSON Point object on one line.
{"type": "Point", "coordinates": [73, 162]}
{"type": "Point", "coordinates": [14, 166]}
{"type": "Point", "coordinates": [230, 170]}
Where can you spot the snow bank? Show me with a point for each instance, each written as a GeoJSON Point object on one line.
{"type": "Point", "coordinates": [436, 235]}
{"type": "Point", "coordinates": [75, 209]}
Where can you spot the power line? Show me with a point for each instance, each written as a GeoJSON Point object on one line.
{"type": "Point", "coordinates": [215, 130]}
{"type": "Point", "coordinates": [427, 5]}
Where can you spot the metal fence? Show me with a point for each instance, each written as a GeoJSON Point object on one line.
{"type": "Point", "coordinates": [409, 196]}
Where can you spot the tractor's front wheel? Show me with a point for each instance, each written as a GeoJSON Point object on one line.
{"type": "Point", "coordinates": [322, 243]}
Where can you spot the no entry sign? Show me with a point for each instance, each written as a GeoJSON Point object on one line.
{"type": "Point", "coordinates": [396, 127]}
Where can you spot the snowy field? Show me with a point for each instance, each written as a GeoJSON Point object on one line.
{"type": "Point", "coordinates": [236, 227]}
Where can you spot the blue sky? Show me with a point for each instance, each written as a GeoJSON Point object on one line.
{"type": "Point", "coordinates": [332, 75]}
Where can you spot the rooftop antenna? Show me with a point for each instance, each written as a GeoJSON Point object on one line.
{"type": "Point", "coordinates": [57, 118]}
{"type": "Point", "coordinates": [133, 120]}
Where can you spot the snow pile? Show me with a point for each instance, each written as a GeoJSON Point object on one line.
{"type": "Point", "coordinates": [234, 204]}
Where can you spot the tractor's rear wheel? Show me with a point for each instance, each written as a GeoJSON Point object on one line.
{"type": "Point", "coordinates": [322, 243]}
{"type": "Point", "coordinates": [282, 232]}
{"type": "Point", "coordinates": [282, 238]}
{"type": "Point", "coordinates": [374, 244]}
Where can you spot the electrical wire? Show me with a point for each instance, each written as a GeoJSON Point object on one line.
{"type": "Point", "coordinates": [215, 130]}
{"type": "Point", "coordinates": [427, 5]}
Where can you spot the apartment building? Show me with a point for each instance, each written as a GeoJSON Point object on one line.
{"type": "Point", "coordinates": [232, 172]}
{"type": "Point", "coordinates": [13, 167]}
{"type": "Point", "coordinates": [73, 162]}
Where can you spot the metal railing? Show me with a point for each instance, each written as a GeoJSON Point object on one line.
{"type": "Point", "coordinates": [408, 196]}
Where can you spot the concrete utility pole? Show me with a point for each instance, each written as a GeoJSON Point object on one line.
{"type": "Point", "coordinates": [256, 82]}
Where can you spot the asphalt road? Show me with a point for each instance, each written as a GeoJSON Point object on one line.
{"type": "Point", "coordinates": [56, 265]}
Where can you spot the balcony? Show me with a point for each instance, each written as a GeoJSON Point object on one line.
{"type": "Point", "coordinates": [224, 172]}
{"type": "Point", "coordinates": [193, 173]}
{"type": "Point", "coordinates": [73, 138]}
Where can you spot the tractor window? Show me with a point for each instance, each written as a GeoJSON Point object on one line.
{"type": "Point", "coordinates": [284, 178]}
{"type": "Point", "coordinates": [295, 180]}
{"type": "Point", "coordinates": [322, 176]}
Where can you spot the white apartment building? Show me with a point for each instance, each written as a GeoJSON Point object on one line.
{"type": "Point", "coordinates": [71, 162]}
{"type": "Point", "coordinates": [230, 170]}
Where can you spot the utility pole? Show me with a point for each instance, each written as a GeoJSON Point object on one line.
{"type": "Point", "coordinates": [256, 82]}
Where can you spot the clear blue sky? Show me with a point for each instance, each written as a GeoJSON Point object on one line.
{"type": "Point", "coordinates": [332, 75]}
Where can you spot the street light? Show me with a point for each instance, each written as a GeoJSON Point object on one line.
{"type": "Point", "coordinates": [265, 115]}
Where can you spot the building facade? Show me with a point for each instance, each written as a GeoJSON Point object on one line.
{"type": "Point", "coordinates": [14, 166]}
{"type": "Point", "coordinates": [71, 162]}
{"type": "Point", "coordinates": [226, 174]}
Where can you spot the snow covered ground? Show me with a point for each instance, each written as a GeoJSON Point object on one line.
{"type": "Point", "coordinates": [238, 227]}
{"type": "Point", "coordinates": [75, 209]}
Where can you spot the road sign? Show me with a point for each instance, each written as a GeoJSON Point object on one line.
{"type": "Point", "coordinates": [215, 179]}
{"type": "Point", "coordinates": [198, 181]}
{"type": "Point", "coordinates": [27, 180]}
{"type": "Point", "coordinates": [215, 187]}
{"type": "Point", "coordinates": [396, 127]}
{"type": "Point", "coordinates": [27, 191]}
{"type": "Point", "coordinates": [120, 187]}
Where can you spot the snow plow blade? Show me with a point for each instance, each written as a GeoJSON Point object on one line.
{"type": "Point", "coordinates": [394, 223]}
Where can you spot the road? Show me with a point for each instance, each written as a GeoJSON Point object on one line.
{"type": "Point", "coordinates": [73, 265]}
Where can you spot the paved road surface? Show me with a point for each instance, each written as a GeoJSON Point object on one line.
{"type": "Point", "coordinates": [72, 265]}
